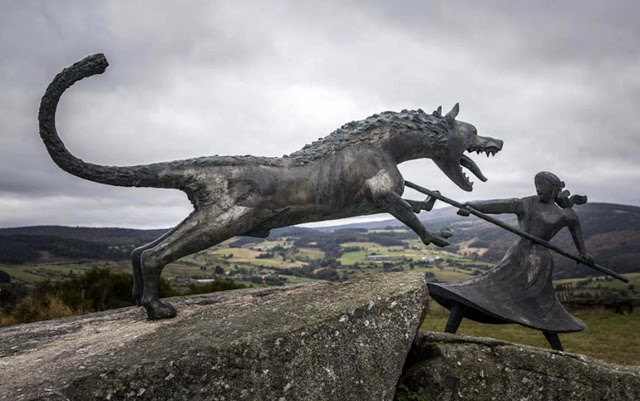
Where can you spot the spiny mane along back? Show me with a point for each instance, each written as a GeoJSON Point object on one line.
{"type": "Point", "coordinates": [372, 130]}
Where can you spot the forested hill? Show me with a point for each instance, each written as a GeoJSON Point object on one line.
{"type": "Point", "coordinates": [595, 218]}
{"type": "Point", "coordinates": [27, 244]}
{"type": "Point", "coordinates": [20, 249]}
{"type": "Point", "coordinates": [103, 235]}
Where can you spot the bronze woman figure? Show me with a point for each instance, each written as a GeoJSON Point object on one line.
{"type": "Point", "coordinates": [520, 288]}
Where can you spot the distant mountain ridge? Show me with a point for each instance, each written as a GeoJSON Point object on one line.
{"type": "Point", "coordinates": [107, 235]}
{"type": "Point", "coordinates": [448, 215]}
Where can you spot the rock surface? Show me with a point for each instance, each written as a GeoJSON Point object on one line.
{"type": "Point", "coordinates": [443, 366]}
{"type": "Point", "coordinates": [316, 342]}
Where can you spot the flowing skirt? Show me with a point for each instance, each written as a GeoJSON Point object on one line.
{"type": "Point", "coordinates": [518, 290]}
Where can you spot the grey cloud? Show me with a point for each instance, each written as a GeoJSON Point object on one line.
{"type": "Point", "coordinates": [556, 80]}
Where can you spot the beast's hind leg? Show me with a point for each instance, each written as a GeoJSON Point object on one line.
{"type": "Point", "coordinates": [190, 236]}
{"type": "Point", "coordinates": [137, 263]}
{"type": "Point", "coordinates": [203, 229]}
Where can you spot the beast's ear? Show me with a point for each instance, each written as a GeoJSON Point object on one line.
{"type": "Point", "coordinates": [451, 116]}
{"type": "Point", "coordinates": [437, 112]}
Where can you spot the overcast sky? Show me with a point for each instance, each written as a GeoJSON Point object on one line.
{"type": "Point", "coordinates": [559, 82]}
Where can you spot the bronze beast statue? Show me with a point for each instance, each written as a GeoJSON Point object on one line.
{"type": "Point", "coordinates": [351, 172]}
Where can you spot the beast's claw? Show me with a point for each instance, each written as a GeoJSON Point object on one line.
{"type": "Point", "coordinates": [439, 241]}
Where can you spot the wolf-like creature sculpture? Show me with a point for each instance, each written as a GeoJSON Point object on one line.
{"type": "Point", "coordinates": [351, 172]}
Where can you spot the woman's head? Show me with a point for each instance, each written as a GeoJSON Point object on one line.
{"type": "Point", "coordinates": [549, 189]}
{"type": "Point", "coordinates": [548, 186]}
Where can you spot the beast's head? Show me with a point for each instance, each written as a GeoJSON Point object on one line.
{"type": "Point", "coordinates": [463, 137]}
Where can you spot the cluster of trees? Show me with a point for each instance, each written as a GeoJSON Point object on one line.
{"type": "Point", "coordinates": [96, 290]}
{"type": "Point", "coordinates": [241, 241]}
{"type": "Point", "coordinates": [268, 280]}
{"type": "Point", "coordinates": [4, 277]}
{"type": "Point", "coordinates": [20, 249]}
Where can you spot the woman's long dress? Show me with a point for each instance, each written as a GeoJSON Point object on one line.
{"type": "Point", "coordinates": [520, 288]}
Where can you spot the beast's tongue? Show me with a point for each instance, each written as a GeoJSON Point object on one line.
{"type": "Point", "coordinates": [466, 162]}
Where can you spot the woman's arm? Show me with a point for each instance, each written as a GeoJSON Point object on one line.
{"type": "Point", "coordinates": [495, 206]}
{"type": "Point", "coordinates": [576, 234]}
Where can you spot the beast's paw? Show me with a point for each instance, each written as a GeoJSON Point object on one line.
{"type": "Point", "coordinates": [157, 310]}
{"type": "Point", "coordinates": [438, 240]}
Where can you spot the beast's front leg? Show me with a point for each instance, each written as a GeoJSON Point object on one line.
{"type": "Point", "coordinates": [393, 203]}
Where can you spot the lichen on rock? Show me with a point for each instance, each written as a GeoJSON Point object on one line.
{"type": "Point", "coordinates": [320, 341]}
{"type": "Point", "coordinates": [443, 366]}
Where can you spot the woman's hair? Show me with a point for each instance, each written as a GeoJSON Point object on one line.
{"type": "Point", "coordinates": [562, 199]}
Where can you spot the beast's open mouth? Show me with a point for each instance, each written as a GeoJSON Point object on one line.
{"type": "Point", "coordinates": [466, 162]}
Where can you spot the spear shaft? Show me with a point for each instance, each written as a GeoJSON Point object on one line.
{"type": "Point", "coordinates": [516, 231]}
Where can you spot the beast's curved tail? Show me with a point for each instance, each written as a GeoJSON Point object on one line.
{"type": "Point", "coordinates": [132, 176]}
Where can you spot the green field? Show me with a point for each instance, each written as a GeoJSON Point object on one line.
{"type": "Point", "coordinates": [351, 258]}
{"type": "Point", "coordinates": [272, 244]}
{"type": "Point", "coordinates": [634, 279]}
{"type": "Point", "coordinates": [309, 254]}
{"type": "Point", "coordinates": [609, 336]}
{"type": "Point", "coordinates": [446, 276]}
{"type": "Point", "coordinates": [413, 251]}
